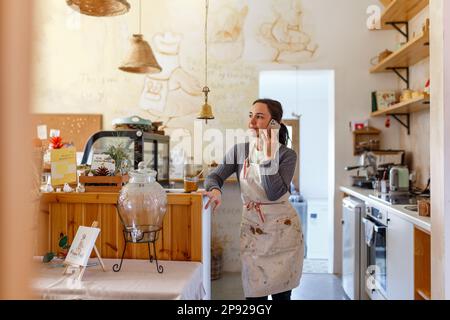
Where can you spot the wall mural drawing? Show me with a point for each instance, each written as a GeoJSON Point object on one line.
{"type": "Point", "coordinates": [285, 33]}
{"type": "Point", "coordinates": [227, 37]}
{"type": "Point", "coordinates": [172, 94]}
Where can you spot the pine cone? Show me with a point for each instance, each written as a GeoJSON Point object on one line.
{"type": "Point", "coordinates": [102, 171]}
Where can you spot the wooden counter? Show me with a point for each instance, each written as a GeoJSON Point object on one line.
{"type": "Point", "coordinates": [422, 264]}
{"type": "Point", "coordinates": [180, 239]}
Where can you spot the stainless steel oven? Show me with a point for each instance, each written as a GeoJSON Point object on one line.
{"type": "Point", "coordinates": [375, 227]}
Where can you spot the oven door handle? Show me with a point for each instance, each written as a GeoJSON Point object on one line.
{"type": "Point", "coordinates": [375, 227]}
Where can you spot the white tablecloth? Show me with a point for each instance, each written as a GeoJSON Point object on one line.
{"type": "Point", "coordinates": [138, 279]}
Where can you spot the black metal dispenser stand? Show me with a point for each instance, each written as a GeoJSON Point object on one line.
{"type": "Point", "coordinates": [149, 237]}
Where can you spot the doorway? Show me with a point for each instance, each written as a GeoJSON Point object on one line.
{"type": "Point", "coordinates": [307, 97]}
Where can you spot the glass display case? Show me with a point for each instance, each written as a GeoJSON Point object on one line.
{"type": "Point", "coordinates": [152, 149]}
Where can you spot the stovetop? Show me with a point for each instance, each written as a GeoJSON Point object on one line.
{"type": "Point", "coordinates": [365, 184]}
{"type": "Point", "coordinates": [392, 199]}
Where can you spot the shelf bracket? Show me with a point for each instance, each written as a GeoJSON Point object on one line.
{"type": "Point", "coordinates": [405, 79]}
{"type": "Point", "coordinates": [407, 125]}
{"type": "Point", "coordinates": [396, 24]}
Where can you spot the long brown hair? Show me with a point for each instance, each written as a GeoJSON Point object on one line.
{"type": "Point", "coordinates": [276, 112]}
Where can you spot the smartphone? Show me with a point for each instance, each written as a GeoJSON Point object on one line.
{"type": "Point", "coordinates": [273, 124]}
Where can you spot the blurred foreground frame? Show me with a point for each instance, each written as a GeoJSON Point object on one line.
{"type": "Point", "coordinates": [16, 215]}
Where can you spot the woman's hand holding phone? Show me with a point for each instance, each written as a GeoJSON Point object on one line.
{"type": "Point", "coordinates": [271, 138]}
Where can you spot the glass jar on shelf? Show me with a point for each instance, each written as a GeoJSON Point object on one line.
{"type": "Point", "coordinates": [191, 175]}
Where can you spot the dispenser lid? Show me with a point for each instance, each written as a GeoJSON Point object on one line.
{"type": "Point", "coordinates": [142, 174]}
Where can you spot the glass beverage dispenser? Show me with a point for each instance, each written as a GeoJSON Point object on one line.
{"type": "Point", "coordinates": [142, 205]}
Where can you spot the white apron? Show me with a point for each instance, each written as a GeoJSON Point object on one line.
{"type": "Point", "coordinates": [271, 239]}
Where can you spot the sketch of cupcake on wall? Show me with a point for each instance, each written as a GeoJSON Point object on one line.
{"type": "Point", "coordinates": [227, 37]}
{"type": "Point", "coordinates": [172, 94]}
{"type": "Point", "coordinates": [285, 34]}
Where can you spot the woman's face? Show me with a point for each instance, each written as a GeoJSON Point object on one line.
{"type": "Point", "coordinates": [259, 117]}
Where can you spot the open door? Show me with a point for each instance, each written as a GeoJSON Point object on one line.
{"type": "Point", "coordinates": [293, 126]}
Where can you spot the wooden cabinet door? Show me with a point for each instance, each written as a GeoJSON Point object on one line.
{"type": "Point", "coordinates": [180, 238]}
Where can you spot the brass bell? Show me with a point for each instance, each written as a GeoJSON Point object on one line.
{"type": "Point", "coordinates": [140, 58]}
{"type": "Point", "coordinates": [206, 111]}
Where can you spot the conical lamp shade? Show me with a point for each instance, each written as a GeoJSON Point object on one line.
{"type": "Point", "coordinates": [206, 113]}
{"type": "Point", "coordinates": [100, 8]}
{"type": "Point", "coordinates": [140, 58]}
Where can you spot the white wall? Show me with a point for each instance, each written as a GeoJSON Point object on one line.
{"type": "Point", "coordinates": [308, 93]}
{"type": "Point", "coordinates": [305, 93]}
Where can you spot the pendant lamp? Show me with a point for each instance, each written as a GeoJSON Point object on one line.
{"type": "Point", "coordinates": [140, 58]}
{"type": "Point", "coordinates": [100, 8]}
{"type": "Point", "coordinates": [206, 110]}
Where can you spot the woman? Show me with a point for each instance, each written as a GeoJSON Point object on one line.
{"type": "Point", "coordinates": [271, 240]}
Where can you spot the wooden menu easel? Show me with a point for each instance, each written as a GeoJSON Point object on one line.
{"type": "Point", "coordinates": [82, 269]}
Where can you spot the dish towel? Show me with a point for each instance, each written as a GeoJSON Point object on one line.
{"type": "Point", "coordinates": [369, 227]}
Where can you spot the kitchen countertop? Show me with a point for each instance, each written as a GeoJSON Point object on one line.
{"type": "Point", "coordinates": [411, 216]}
{"type": "Point", "coordinates": [107, 197]}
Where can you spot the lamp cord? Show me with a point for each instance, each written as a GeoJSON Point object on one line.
{"type": "Point", "coordinates": [206, 42]}
{"type": "Point", "coordinates": [296, 87]}
{"type": "Point", "coordinates": [140, 16]}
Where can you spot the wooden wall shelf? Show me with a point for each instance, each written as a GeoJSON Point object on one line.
{"type": "Point", "coordinates": [366, 139]}
{"type": "Point", "coordinates": [411, 53]}
{"type": "Point", "coordinates": [368, 130]}
{"type": "Point", "coordinates": [401, 10]}
{"type": "Point", "coordinates": [409, 106]}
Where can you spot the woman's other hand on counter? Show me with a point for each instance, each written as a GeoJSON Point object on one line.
{"type": "Point", "coordinates": [215, 197]}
